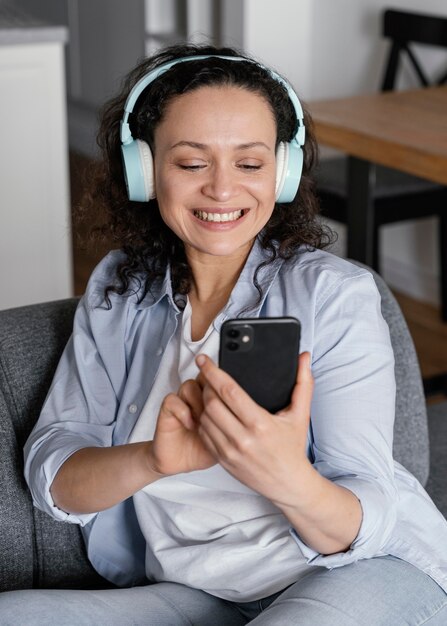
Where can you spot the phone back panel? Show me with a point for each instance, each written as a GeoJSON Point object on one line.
{"type": "Point", "coordinates": [265, 364]}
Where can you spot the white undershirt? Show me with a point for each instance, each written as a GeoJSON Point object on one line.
{"type": "Point", "coordinates": [205, 529]}
{"type": "Point", "coordinates": [177, 365]}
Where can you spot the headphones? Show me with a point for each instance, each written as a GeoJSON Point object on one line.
{"type": "Point", "coordinates": [137, 156]}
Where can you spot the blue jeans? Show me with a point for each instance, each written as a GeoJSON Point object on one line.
{"type": "Point", "coordinates": [383, 591]}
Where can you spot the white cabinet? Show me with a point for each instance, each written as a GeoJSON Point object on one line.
{"type": "Point", "coordinates": [35, 239]}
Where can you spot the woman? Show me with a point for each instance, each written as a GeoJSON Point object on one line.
{"type": "Point", "coordinates": [201, 505]}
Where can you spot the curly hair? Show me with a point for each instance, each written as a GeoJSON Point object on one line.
{"type": "Point", "coordinates": [137, 227]}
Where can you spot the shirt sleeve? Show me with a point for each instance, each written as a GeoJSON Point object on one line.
{"type": "Point", "coordinates": [79, 412]}
{"type": "Point", "coordinates": [352, 414]}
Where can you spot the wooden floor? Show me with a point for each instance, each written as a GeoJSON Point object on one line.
{"type": "Point", "coordinates": [428, 331]}
{"type": "Point", "coordinates": [429, 334]}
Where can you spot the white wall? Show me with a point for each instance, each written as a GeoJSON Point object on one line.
{"type": "Point", "coordinates": [280, 33]}
{"type": "Point", "coordinates": [327, 48]}
{"type": "Point", "coordinates": [334, 48]}
{"type": "Point", "coordinates": [350, 59]}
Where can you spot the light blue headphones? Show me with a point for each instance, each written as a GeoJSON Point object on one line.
{"type": "Point", "coordinates": [137, 156]}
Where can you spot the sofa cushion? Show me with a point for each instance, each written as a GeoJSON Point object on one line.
{"type": "Point", "coordinates": [16, 515]}
{"type": "Point", "coordinates": [35, 550]}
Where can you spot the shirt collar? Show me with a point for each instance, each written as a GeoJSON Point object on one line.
{"type": "Point", "coordinates": [160, 288]}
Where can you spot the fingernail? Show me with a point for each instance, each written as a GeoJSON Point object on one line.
{"type": "Point", "coordinates": [200, 360]}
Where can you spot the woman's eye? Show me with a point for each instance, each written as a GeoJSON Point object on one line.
{"type": "Point", "coordinates": [249, 166]}
{"type": "Point", "coordinates": [191, 167]}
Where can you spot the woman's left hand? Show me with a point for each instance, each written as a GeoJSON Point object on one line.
{"type": "Point", "coordinates": [265, 451]}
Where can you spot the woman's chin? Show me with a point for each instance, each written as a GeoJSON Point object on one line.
{"type": "Point", "coordinates": [221, 249]}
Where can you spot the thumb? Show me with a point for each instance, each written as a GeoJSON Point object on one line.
{"type": "Point", "coordinates": [174, 415]}
{"type": "Point", "coordinates": [302, 392]}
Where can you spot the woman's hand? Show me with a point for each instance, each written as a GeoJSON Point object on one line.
{"type": "Point", "coordinates": [177, 446]}
{"type": "Point", "coordinates": [266, 452]}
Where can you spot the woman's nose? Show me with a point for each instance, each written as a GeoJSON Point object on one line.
{"type": "Point", "coordinates": [221, 183]}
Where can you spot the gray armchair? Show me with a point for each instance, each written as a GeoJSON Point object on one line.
{"type": "Point", "coordinates": [39, 552]}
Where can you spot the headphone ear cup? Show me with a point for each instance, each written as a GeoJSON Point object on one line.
{"type": "Point", "coordinates": [138, 166]}
{"type": "Point", "coordinates": [281, 168]}
{"type": "Point", "coordinates": [289, 166]}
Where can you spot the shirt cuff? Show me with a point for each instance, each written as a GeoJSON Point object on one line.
{"type": "Point", "coordinates": [378, 521]}
{"type": "Point", "coordinates": [62, 516]}
{"type": "Point", "coordinates": [40, 477]}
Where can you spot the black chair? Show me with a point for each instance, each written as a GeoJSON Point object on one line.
{"type": "Point", "coordinates": [397, 196]}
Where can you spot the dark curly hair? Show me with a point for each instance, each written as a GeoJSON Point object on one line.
{"type": "Point", "coordinates": [137, 227]}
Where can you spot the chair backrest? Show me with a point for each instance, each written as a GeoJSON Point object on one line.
{"type": "Point", "coordinates": [35, 551]}
{"type": "Point", "coordinates": [405, 28]}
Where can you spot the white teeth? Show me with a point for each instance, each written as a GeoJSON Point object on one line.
{"type": "Point", "coordinates": [218, 217]}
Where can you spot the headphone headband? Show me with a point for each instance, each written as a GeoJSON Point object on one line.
{"type": "Point", "coordinates": [137, 157]}
{"type": "Point", "coordinates": [140, 86]}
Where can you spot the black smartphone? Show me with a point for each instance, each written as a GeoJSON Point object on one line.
{"type": "Point", "coordinates": [261, 354]}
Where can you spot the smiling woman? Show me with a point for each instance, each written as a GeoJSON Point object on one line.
{"type": "Point", "coordinates": [201, 505]}
{"type": "Point", "coordinates": [148, 242]}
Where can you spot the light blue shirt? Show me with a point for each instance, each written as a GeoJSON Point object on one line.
{"type": "Point", "coordinates": [109, 365]}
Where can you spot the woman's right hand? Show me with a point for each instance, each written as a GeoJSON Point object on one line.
{"type": "Point", "coordinates": [177, 446]}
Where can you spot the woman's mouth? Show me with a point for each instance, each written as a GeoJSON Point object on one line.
{"type": "Point", "coordinates": [231, 216]}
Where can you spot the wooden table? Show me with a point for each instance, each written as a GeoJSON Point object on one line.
{"type": "Point", "coordinates": [406, 130]}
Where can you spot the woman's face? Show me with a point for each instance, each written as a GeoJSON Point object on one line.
{"type": "Point", "coordinates": [215, 169]}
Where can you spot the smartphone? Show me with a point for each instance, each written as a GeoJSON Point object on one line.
{"type": "Point", "coordinates": [261, 354]}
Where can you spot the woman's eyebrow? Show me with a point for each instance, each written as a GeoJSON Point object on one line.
{"type": "Point", "coordinates": [253, 144]}
{"type": "Point", "coordinates": [191, 144]}
{"type": "Point", "coordinates": [204, 146]}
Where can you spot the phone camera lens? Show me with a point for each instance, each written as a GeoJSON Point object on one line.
{"type": "Point", "coordinates": [233, 333]}
{"type": "Point", "coordinates": [232, 345]}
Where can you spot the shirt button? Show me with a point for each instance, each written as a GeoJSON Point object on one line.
{"type": "Point", "coordinates": [133, 408]}
{"type": "Point", "coordinates": [159, 352]}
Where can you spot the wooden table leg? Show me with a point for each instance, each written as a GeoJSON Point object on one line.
{"type": "Point", "coordinates": [435, 385]}
{"type": "Point", "coordinates": [360, 222]}
{"type": "Point", "coordinates": [443, 256]}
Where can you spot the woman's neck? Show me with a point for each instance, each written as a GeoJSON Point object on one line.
{"type": "Point", "coordinates": [213, 277]}
{"type": "Point", "coordinates": [213, 281]}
